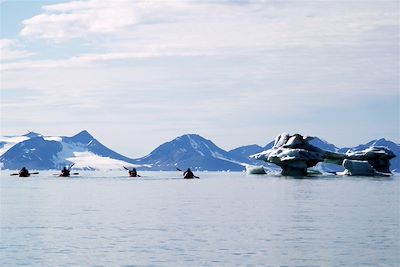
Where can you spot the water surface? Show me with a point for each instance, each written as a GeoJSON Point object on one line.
{"type": "Point", "coordinates": [222, 219]}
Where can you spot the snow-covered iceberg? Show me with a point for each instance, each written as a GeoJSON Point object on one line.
{"type": "Point", "coordinates": [250, 169]}
{"type": "Point", "coordinates": [294, 154]}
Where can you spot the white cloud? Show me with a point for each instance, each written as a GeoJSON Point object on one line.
{"type": "Point", "coordinates": [76, 19]}
{"type": "Point", "coordinates": [11, 50]}
{"type": "Point", "coordinates": [197, 25]}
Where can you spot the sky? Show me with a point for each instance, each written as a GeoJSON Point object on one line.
{"type": "Point", "coordinates": [136, 74]}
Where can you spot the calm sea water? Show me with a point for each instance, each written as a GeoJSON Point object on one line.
{"type": "Point", "coordinates": [222, 219]}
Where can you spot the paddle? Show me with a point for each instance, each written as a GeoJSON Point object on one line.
{"type": "Point", "coordinates": [13, 174]}
{"type": "Point", "coordinates": [197, 177]}
{"type": "Point", "coordinates": [71, 166]}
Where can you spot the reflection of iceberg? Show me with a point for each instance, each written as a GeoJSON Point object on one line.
{"type": "Point", "coordinates": [294, 154]}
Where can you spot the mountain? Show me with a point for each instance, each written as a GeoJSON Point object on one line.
{"type": "Point", "coordinates": [87, 142]}
{"type": "Point", "coordinates": [320, 143]}
{"type": "Point", "coordinates": [7, 142]}
{"type": "Point", "coordinates": [35, 151]}
{"type": "Point", "coordinates": [244, 152]}
{"type": "Point", "coordinates": [190, 150]}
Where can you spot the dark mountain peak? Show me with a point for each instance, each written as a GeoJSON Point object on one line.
{"type": "Point", "coordinates": [323, 144]}
{"type": "Point", "coordinates": [192, 140]}
{"type": "Point", "coordinates": [83, 137]}
{"type": "Point", "coordinates": [383, 141]}
{"type": "Point", "coordinates": [32, 134]}
{"type": "Point", "coordinates": [190, 137]}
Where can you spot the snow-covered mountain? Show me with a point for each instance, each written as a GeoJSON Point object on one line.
{"type": "Point", "coordinates": [35, 151]}
{"type": "Point", "coordinates": [7, 142]}
{"type": "Point", "coordinates": [244, 152]}
{"type": "Point", "coordinates": [191, 150]}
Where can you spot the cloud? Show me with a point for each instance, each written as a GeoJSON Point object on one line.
{"type": "Point", "coordinates": [250, 69]}
{"type": "Point", "coordinates": [211, 24]}
{"type": "Point", "coordinates": [79, 19]}
{"type": "Point", "coordinates": [141, 29]}
{"type": "Point", "coordinates": [11, 50]}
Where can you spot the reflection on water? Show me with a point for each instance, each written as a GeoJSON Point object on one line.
{"type": "Point", "coordinates": [223, 219]}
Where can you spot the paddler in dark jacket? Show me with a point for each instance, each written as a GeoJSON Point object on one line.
{"type": "Point", "coordinates": [133, 173]}
{"type": "Point", "coordinates": [65, 172]}
{"type": "Point", "coordinates": [24, 172]}
{"type": "Point", "coordinates": [188, 174]}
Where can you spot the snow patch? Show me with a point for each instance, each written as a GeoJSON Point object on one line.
{"type": "Point", "coordinates": [193, 143]}
{"type": "Point", "coordinates": [89, 160]}
{"type": "Point", "coordinates": [10, 141]}
{"type": "Point", "coordinates": [52, 138]}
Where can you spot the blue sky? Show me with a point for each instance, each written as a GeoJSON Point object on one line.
{"type": "Point", "coordinates": [139, 73]}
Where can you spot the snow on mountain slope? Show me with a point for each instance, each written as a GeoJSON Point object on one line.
{"type": "Point", "coordinates": [54, 152]}
{"type": "Point", "coordinates": [88, 160]}
{"type": "Point", "coordinates": [7, 142]}
{"type": "Point", "coordinates": [191, 150]}
{"type": "Point", "coordinates": [35, 151]}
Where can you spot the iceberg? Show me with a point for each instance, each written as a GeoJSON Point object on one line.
{"type": "Point", "coordinates": [294, 154]}
{"type": "Point", "coordinates": [250, 169]}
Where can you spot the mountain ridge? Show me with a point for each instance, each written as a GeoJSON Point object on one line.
{"type": "Point", "coordinates": [190, 150]}
{"type": "Point", "coordinates": [36, 151]}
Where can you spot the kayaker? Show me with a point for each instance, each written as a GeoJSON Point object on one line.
{"type": "Point", "coordinates": [133, 173]}
{"type": "Point", "coordinates": [24, 172]}
{"type": "Point", "coordinates": [65, 172]}
{"type": "Point", "coordinates": [188, 174]}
